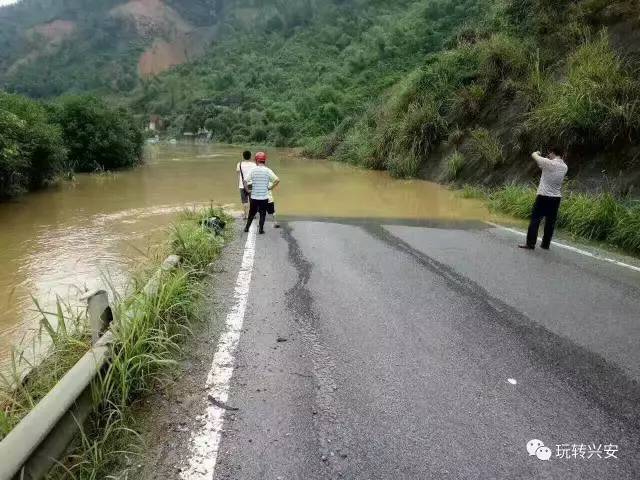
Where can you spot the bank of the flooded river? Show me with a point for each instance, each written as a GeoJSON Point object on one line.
{"type": "Point", "coordinates": [64, 240]}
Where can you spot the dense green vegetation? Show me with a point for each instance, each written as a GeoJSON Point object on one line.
{"type": "Point", "coordinates": [303, 69]}
{"type": "Point", "coordinates": [98, 137]}
{"type": "Point", "coordinates": [455, 90]}
{"type": "Point", "coordinates": [40, 141]}
{"type": "Point", "coordinates": [149, 332]}
{"type": "Point", "coordinates": [501, 91]}
{"type": "Point", "coordinates": [101, 53]}
{"type": "Point", "coordinates": [32, 151]}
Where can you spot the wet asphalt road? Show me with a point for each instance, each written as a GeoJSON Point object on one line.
{"type": "Point", "coordinates": [396, 346]}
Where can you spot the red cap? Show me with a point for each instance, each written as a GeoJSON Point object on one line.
{"type": "Point", "coordinates": [261, 157]}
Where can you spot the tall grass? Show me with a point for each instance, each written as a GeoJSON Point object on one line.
{"type": "Point", "coordinates": [486, 147]}
{"type": "Point", "coordinates": [149, 331]}
{"type": "Point", "coordinates": [454, 165]}
{"type": "Point", "coordinates": [64, 335]}
{"type": "Point", "coordinates": [626, 233]}
{"type": "Point", "coordinates": [473, 192]}
{"type": "Point", "coordinates": [513, 199]}
{"type": "Point", "coordinates": [595, 105]}
{"type": "Point", "coordinates": [600, 217]}
{"type": "Point", "coordinates": [594, 217]}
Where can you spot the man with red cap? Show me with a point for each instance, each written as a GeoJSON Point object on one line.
{"type": "Point", "coordinates": [262, 180]}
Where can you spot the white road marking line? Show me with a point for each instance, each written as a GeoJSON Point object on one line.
{"type": "Point", "coordinates": [572, 249]}
{"type": "Point", "coordinates": [512, 381]}
{"type": "Point", "coordinates": [205, 441]}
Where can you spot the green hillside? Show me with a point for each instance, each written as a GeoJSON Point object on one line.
{"type": "Point", "coordinates": [450, 90]}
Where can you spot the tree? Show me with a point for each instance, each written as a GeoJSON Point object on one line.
{"type": "Point", "coordinates": [31, 148]}
{"type": "Point", "coordinates": [98, 137]}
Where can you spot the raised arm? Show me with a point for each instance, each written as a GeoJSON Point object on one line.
{"type": "Point", "coordinates": [542, 162]}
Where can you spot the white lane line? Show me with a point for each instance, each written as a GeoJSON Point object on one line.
{"type": "Point", "coordinates": [205, 441]}
{"type": "Point", "coordinates": [572, 249]}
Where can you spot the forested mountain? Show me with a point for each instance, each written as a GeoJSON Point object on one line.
{"type": "Point", "coordinates": [450, 89]}
{"type": "Point", "coordinates": [50, 47]}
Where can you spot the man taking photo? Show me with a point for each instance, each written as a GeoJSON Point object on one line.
{"type": "Point", "coordinates": [548, 199]}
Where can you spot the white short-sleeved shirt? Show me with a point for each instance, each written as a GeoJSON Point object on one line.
{"type": "Point", "coordinates": [247, 168]}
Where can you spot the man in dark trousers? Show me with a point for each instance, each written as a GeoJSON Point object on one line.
{"type": "Point", "coordinates": [262, 180]}
{"type": "Point", "coordinates": [547, 202]}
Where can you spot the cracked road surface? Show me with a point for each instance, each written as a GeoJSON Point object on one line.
{"type": "Point", "coordinates": [430, 352]}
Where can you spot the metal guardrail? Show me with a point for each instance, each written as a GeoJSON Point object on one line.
{"type": "Point", "coordinates": [41, 438]}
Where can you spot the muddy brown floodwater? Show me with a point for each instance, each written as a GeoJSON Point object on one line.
{"type": "Point", "coordinates": [61, 241]}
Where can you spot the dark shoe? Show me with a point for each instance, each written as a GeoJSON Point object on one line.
{"type": "Point", "coordinates": [261, 232]}
{"type": "Point", "coordinates": [246, 230]}
{"type": "Point", "coordinates": [545, 247]}
{"type": "Point", "coordinates": [277, 225]}
{"type": "Point", "coordinates": [526, 247]}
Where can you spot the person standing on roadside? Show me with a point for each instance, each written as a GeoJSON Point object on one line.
{"type": "Point", "coordinates": [244, 169]}
{"type": "Point", "coordinates": [547, 203]}
{"type": "Point", "coordinates": [262, 180]}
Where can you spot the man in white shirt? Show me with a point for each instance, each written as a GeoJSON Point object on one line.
{"type": "Point", "coordinates": [548, 199]}
{"type": "Point", "coordinates": [244, 169]}
{"type": "Point", "coordinates": [262, 180]}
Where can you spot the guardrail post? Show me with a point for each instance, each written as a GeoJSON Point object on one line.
{"type": "Point", "coordinates": [99, 313]}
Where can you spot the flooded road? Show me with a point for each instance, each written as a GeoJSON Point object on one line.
{"type": "Point", "coordinates": [64, 240]}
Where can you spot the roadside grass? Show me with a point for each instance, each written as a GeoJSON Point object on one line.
{"type": "Point", "coordinates": [473, 192]}
{"type": "Point", "coordinates": [65, 331]}
{"type": "Point", "coordinates": [514, 200]}
{"type": "Point", "coordinates": [627, 232]}
{"type": "Point", "coordinates": [149, 328]}
{"type": "Point", "coordinates": [593, 217]}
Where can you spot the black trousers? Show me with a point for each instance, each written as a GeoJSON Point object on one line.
{"type": "Point", "coordinates": [547, 208]}
{"type": "Point", "coordinates": [257, 206]}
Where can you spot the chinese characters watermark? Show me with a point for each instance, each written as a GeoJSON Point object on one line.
{"type": "Point", "coordinates": [570, 451]}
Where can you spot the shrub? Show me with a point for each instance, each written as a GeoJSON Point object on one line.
{"type": "Point", "coordinates": [358, 149]}
{"type": "Point", "coordinates": [403, 165]}
{"type": "Point", "coordinates": [454, 165]}
{"type": "Point", "coordinates": [421, 128]}
{"type": "Point", "coordinates": [596, 104]}
{"type": "Point", "coordinates": [467, 102]}
{"type": "Point", "coordinates": [502, 57]}
{"type": "Point", "coordinates": [486, 147]}
{"type": "Point", "coordinates": [455, 138]}
{"type": "Point", "coordinates": [31, 148]}
{"type": "Point", "coordinates": [98, 137]}
{"type": "Point", "coordinates": [315, 147]}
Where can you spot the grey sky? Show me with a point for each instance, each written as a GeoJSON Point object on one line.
{"type": "Point", "coordinates": [7, 2]}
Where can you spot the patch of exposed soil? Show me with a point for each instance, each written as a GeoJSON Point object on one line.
{"type": "Point", "coordinates": [48, 37]}
{"type": "Point", "coordinates": [54, 32]}
{"type": "Point", "coordinates": [164, 54]}
{"type": "Point", "coordinates": [152, 17]}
